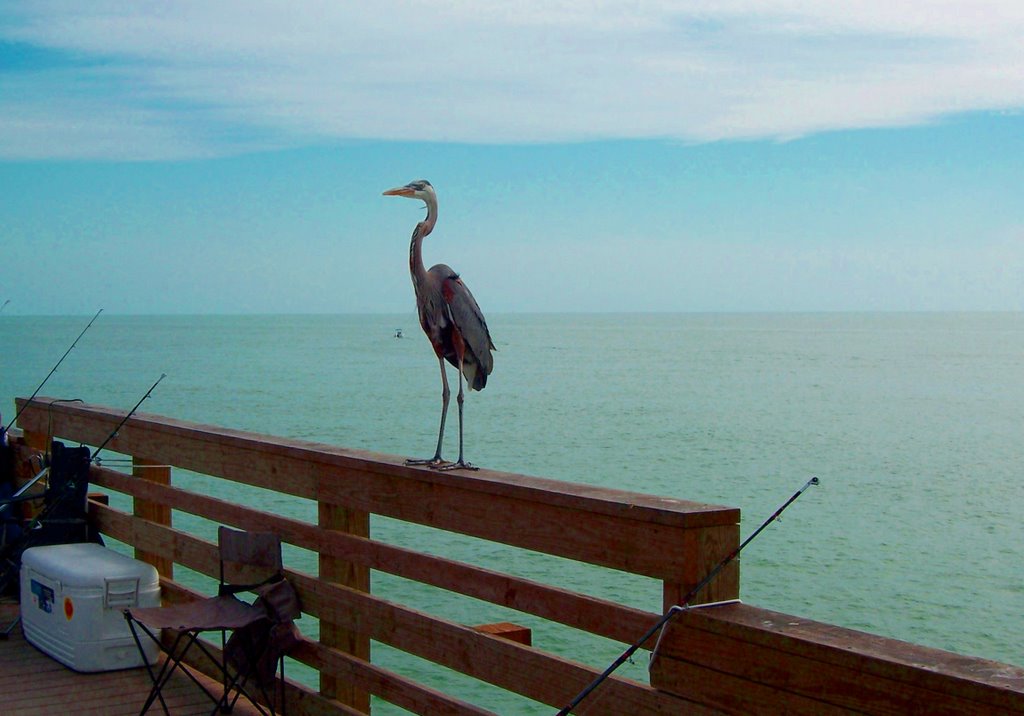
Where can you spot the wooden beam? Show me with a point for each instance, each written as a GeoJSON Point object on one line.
{"type": "Point", "coordinates": [32, 443]}
{"type": "Point", "coordinates": [289, 465]}
{"type": "Point", "coordinates": [525, 670]}
{"type": "Point", "coordinates": [706, 549]}
{"type": "Point", "coordinates": [152, 510]}
{"type": "Point", "coordinates": [598, 616]}
{"type": "Point", "coordinates": [393, 688]}
{"type": "Point", "coordinates": [528, 671]}
{"type": "Point", "coordinates": [387, 685]}
{"type": "Point", "coordinates": [332, 518]}
{"type": "Point", "coordinates": [734, 656]}
{"type": "Point", "coordinates": [508, 630]}
{"type": "Point", "coordinates": [649, 548]}
{"type": "Point", "coordinates": [627, 531]}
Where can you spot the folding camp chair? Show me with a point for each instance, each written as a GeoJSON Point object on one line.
{"type": "Point", "coordinates": [261, 632]}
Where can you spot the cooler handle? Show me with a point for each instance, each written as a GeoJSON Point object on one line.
{"type": "Point", "coordinates": [120, 593]}
{"type": "Point", "coordinates": [32, 575]}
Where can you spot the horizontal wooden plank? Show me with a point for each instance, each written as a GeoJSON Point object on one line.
{"type": "Point", "coordinates": [202, 556]}
{"type": "Point", "coordinates": [784, 685]}
{"type": "Point", "coordinates": [277, 463]}
{"type": "Point", "coordinates": [524, 670]}
{"type": "Point", "coordinates": [751, 673]}
{"type": "Point", "coordinates": [743, 645]}
{"type": "Point", "coordinates": [387, 685]}
{"type": "Point", "coordinates": [598, 616]}
{"type": "Point", "coordinates": [241, 459]}
{"type": "Point", "coordinates": [647, 548]}
{"type": "Point", "coordinates": [730, 694]}
{"type": "Point", "coordinates": [609, 528]}
{"type": "Point", "coordinates": [393, 688]}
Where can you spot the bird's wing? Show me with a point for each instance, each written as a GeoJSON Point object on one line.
{"type": "Point", "coordinates": [469, 320]}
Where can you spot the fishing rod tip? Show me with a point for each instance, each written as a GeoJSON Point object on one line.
{"type": "Point", "coordinates": [815, 480]}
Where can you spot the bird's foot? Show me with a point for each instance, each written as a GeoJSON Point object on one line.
{"type": "Point", "coordinates": [435, 462]}
{"type": "Point", "coordinates": [460, 465]}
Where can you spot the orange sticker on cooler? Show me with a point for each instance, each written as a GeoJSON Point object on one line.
{"type": "Point", "coordinates": [69, 608]}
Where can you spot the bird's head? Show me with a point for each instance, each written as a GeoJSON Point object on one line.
{"type": "Point", "coordinates": [419, 189]}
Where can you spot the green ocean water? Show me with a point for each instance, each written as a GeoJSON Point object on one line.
{"type": "Point", "coordinates": [913, 422]}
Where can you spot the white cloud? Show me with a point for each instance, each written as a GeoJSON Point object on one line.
{"type": "Point", "coordinates": [175, 78]}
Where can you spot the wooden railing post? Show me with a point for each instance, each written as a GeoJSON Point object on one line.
{"type": "Point", "coordinates": [24, 472]}
{"type": "Point", "coordinates": [705, 548]}
{"type": "Point", "coordinates": [333, 569]}
{"type": "Point", "coordinates": [153, 511]}
{"type": "Point", "coordinates": [34, 440]}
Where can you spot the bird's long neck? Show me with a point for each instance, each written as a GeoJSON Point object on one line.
{"type": "Point", "coordinates": [416, 267]}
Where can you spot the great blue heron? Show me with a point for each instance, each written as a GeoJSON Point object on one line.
{"type": "Point", "coordinates": [450, 317]}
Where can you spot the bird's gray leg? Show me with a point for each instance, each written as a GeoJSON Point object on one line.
{"type": "Point", "coordinates": [436, 461]}
{"type": "Point", "coordinates": [445, 394]}
{"type": "Point", "coordinates": [460, 399]}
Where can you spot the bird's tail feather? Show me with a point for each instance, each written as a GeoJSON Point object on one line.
{"type": "Point", "coordinates": [475, 379]}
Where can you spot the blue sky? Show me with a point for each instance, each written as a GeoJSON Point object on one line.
{"type": "Point", "coordinates": [728, 156]}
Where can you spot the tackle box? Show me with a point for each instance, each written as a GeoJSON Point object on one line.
{"type": "Point", "coordinates": [73, 598]}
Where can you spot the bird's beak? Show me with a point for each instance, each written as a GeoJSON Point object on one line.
{"type": "Point", "coordinates": [399, 191]}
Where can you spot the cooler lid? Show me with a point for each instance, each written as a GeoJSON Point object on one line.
{"type": "Point", "coordinates": [87, 564]}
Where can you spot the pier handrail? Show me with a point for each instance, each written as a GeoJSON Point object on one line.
{"type": "Point", "coordinates": [729, 659]}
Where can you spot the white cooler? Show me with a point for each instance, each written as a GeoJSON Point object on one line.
{"type": "Point", "coordinates": [72, 602]}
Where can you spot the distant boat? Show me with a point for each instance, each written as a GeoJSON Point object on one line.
{"type": "Point", "coordinates": [398, 333]}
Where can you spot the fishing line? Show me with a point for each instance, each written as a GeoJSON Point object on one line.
{"type": "Point", "coordinates": [52, 370]}
{"type": "Point", "coordinates": [682, 606]}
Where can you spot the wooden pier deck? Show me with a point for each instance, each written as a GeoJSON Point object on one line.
{"type": "Point", "coordinates": [32, 683]}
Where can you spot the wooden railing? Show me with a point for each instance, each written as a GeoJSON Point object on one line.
{"type": "Point", "coordinates": [722, 659]}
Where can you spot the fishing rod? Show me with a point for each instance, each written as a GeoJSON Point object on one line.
{"type": "Point", "coordinates": [74, 476]}
{"type": "Point", "coordinates": [92, 458]}
{"type": "Point", "coordinates": [44, 464]}
{"type": "Point", "coordinates": [126, 417]}
{"type": "Point", "coordinates": [53, 370]}
{"type": "Point", "coordinates": [20, 496]}
{"type": "Point", "coordinates": [682, 606]}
